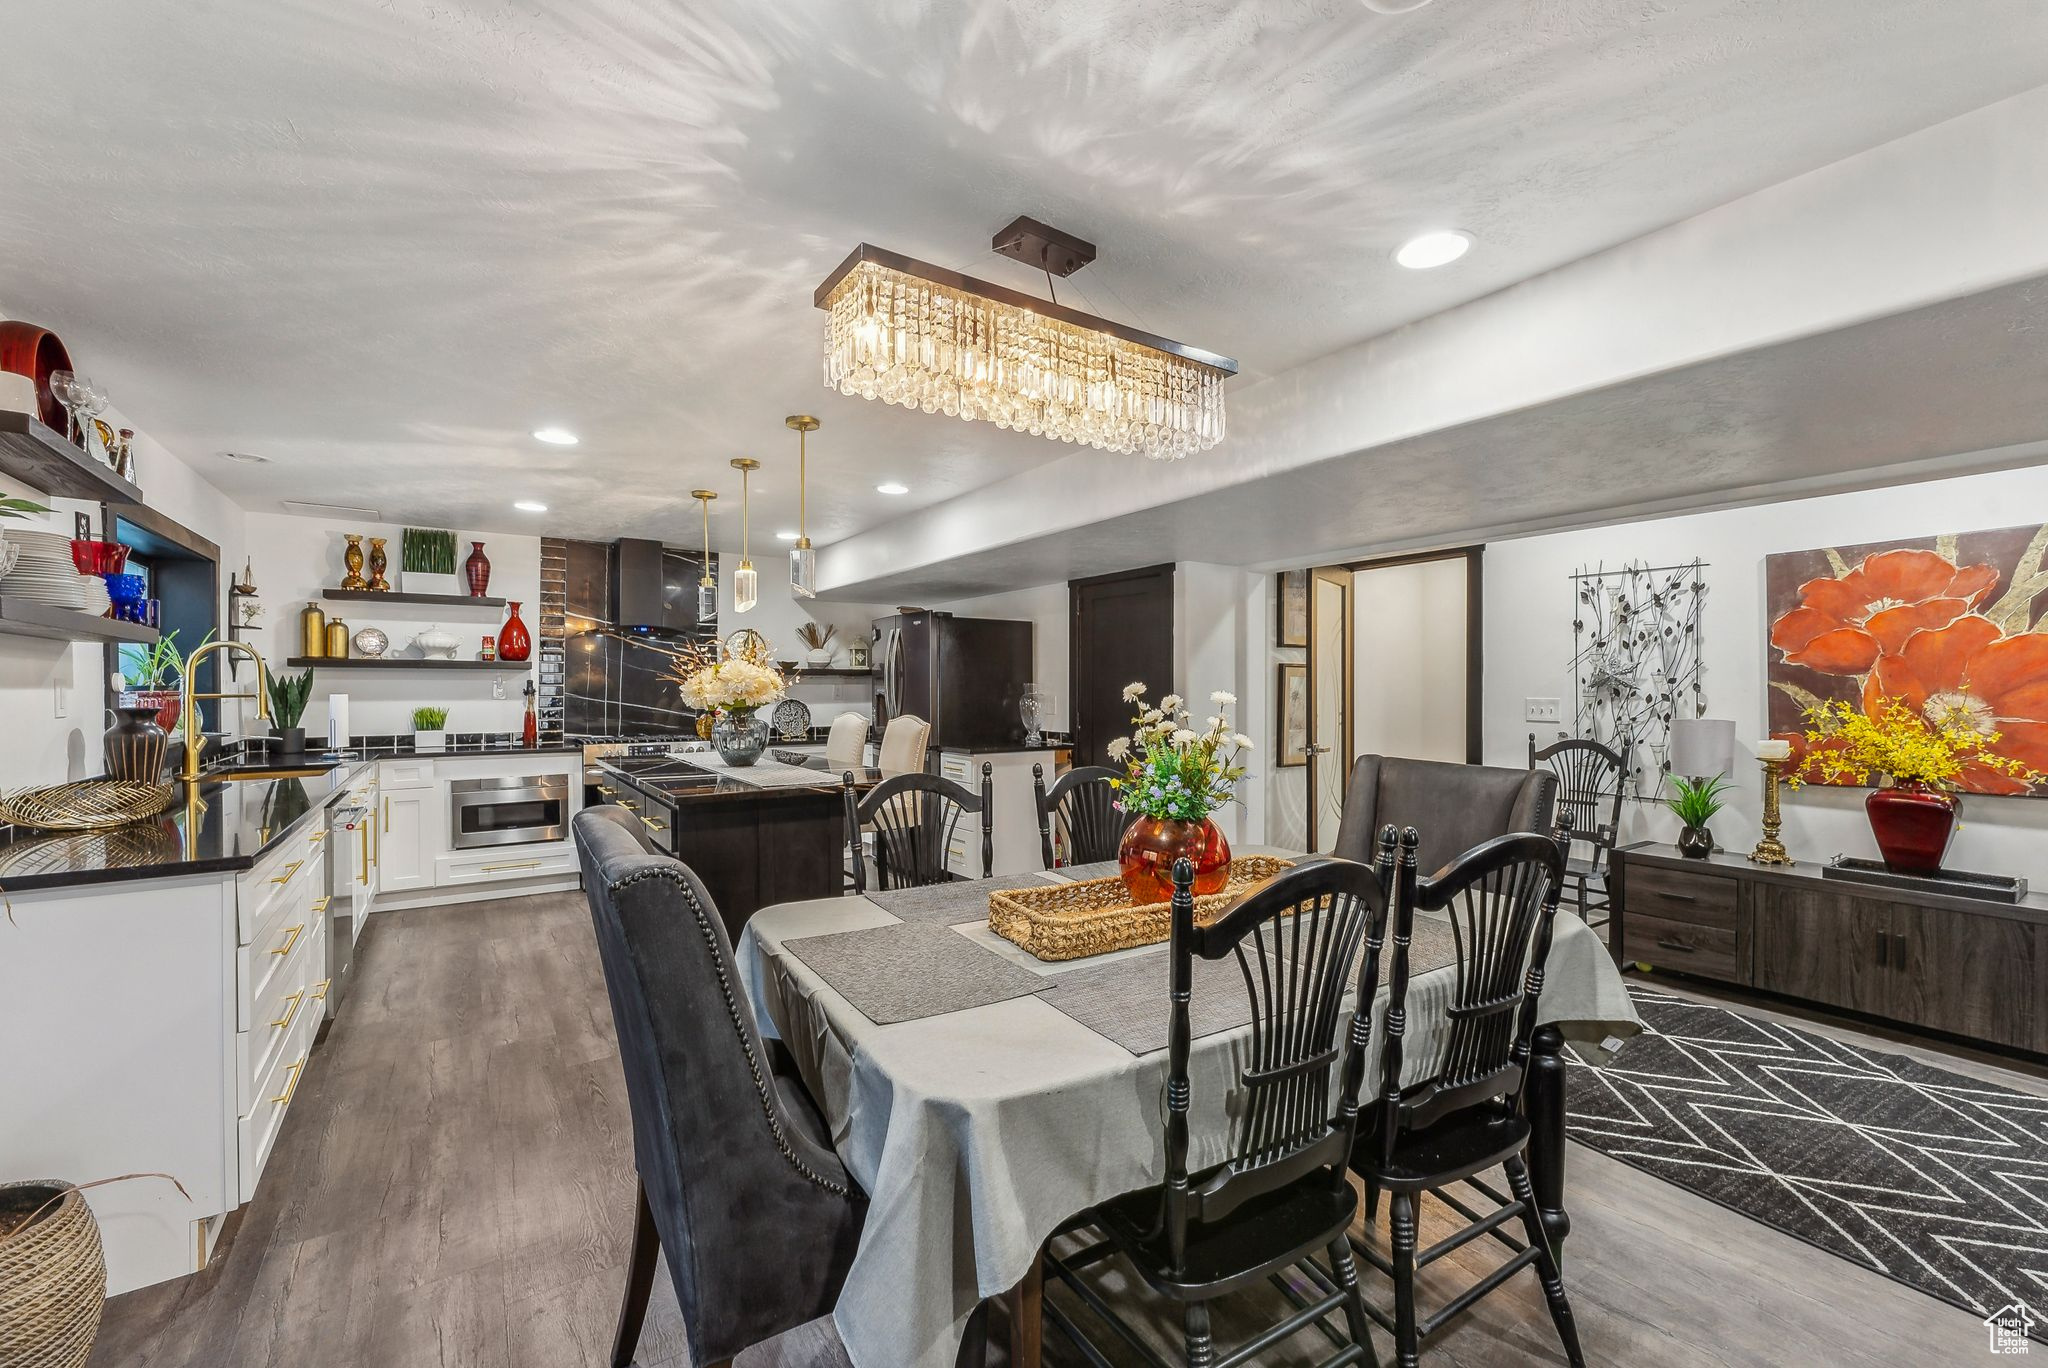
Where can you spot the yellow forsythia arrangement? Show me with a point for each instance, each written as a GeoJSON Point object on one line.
{"type": "Point", "coordinates": [1846, 744]}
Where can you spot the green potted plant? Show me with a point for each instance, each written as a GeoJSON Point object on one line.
{"type": "Point", "coordinates": [426, 558]}
{"type": "Point", "coordinates": [429, 729]}
{"type": "Point", "coordinates": [1697, 802]}
{"type": "Point", "coordinates": [151, 677]}
{"type": "Point", "coordinates": [288, 695]}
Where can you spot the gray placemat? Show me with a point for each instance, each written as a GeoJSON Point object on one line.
{"type": "Point", "coordinates": [1081, 873]}
{"type": "Point", "coordinates": [946, 904]}
{"type": "Point", "coordinates": [1127, 1002]}
{"type": "Point", "coordinates": [907, 972]}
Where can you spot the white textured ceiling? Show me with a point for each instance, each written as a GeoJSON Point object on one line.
{"type": "Point", "coordinates": [380, 243]}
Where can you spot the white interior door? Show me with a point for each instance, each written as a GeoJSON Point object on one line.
{"type": "Point", "coordinates": [1329, 701]}
{"type": "Point", "coordinates": [1410, 645]}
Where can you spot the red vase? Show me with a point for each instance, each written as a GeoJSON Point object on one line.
{"type": "Point", "coordinates": [514, 641]}
{"type": "Point", "coordinates": [478, 568]}
{"type": "Point", "coordinates": [1913, 824]}
{"type": "Point", "coordinates": [1152, 844]}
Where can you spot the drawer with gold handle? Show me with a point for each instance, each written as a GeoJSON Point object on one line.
{"type": "Point", "coordinates": [291, 1012]}
{"type": "Point", "coordinates": [289, 870]}
{"type": "Point", "coordinates": [652, 825]}
{"type": "Point", "coordinates": [522, 864]}
{"type": "Point", "coordinates": [291, 938]}
{"type": "Point", "coordinates": [319, 904]}
{"type": "Point", "coordinates": [284, 1099]}
{"type": "Point", "coordinates": [320, 989]}
{"type": "Point", "coordinates": [317, 837]}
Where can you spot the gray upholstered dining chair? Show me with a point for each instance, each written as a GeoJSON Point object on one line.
{"type": "Point", "coordinates": [1453, 807]}
{"type": "Point", "coordinates": [739, 1183]}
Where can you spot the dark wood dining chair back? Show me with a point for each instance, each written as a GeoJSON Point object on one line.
{"type": "Point", "coordinates": [1296, 939]}
{"type": "Point", "coordinates": [1082, 803]}
{"type": "Point", "coordinates": [738, 1184]}
{"type": "Point", "coordinates": [1500, 899]}
{"type": "Point", "coordinates": [913, 819]}
{"type": "Point", "coordinates": [1590, 781]}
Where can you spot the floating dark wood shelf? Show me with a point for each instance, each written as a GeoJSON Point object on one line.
{"type": "Point", "coordinates": [830, 672]}
{"type": "Point", "coordinates": [20, 617]}
{"type": "Point", "coordinates": [39, 457]}
{"type": "Point", "coordinates": [424, 600]}
{"type": "Point", "coordinates": [403, 663]}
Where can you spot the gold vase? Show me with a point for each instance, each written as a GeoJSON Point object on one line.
{"type": "Point", "coordinates": [312, 631]}
{"type": "Point", "coordinates": [378, 583]}
{"type": "Point", "coordinates": [337, 640]}
{"type": "Point", "coordinates": [352, 557]}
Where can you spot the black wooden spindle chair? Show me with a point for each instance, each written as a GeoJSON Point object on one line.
{"type": "Point", "coordinates": [1590, 778]}
{"type": "Point", "coordinates": [1081, 803]}
{"type": "Point", "coordinates": [1282, 1197]}
{"type": "Point", "coordinates": [1464, 1114]}
{"type": "Point", "coordinates": [912, 819]}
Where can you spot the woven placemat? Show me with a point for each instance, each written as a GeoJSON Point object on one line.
{"type": "Point", "coordinates": [1126, 1002]}
{"type": "Point", "coordinates": [910, 971]}
{"type": "Point", "coordinates": [945, 904]}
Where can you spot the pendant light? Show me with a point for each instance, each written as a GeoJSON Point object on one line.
{"type": "Point", "coordinates": [707, 584]}
{"type": "Point", "coordinates": [803, 562]}
{"type": "Point", "coordinates": [746, 585]}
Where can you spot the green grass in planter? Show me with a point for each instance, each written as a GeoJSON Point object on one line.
{"type": "Point", "coordinates": [426, 551]}
{"type": "Point", "coordinates": [429, 719]}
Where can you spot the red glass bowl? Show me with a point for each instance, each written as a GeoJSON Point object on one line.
{"type": "Point", "coordinates": [99, 557]}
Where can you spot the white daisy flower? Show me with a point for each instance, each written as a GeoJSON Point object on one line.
{"type": "Point", "coordinates": [1241, 741]}
{"type": "Point", "coordinates": [1133, 692]}
{"type": "Point", "coordinates": [1184, 737]}
{"type": "Point", "coordinates": [1120, 748]}
{"type": "Point", "coordinates": [1170, 702]}
{"type": "Point", "coordinates": [1222, 699]}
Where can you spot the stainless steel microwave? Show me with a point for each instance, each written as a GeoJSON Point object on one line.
{"type": "Point", "coordinates": [520, 809]}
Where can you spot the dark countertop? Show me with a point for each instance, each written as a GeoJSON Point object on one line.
{"type": "Point", "coordinates": [2033, 907]}
{"type": "Point", "coordinates": [729, 787]}
{"type": "Point", "coordinates": [404, 751]}
{"type": "Point", "coordinates": [219, 829]}
{"type": "Point", "coordinates": [1005, 748]}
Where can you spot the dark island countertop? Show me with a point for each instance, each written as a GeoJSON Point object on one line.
{"type": "Point", "coordinates": [212, 827]}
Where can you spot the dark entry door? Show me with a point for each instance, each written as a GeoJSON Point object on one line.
{"type": "Point", "coordinates": [1122, 631]}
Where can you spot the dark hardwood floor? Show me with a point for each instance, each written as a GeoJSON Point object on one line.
{"type": "Point", "coordinates": [453, 1187]}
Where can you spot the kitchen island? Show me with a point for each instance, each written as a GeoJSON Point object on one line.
{"type": "Point", "coordinates": [766, 833]}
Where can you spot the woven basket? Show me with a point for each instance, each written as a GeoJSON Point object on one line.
{"type": "Point", "coordinates": [1096, 916]}
{"type": "Point", "coordinates": [53, 1278]}
{"type": "Point", "coordinates": [89, 805]}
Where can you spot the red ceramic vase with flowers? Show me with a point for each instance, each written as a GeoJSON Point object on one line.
{"type": "Point", "coordinates": [1913, 824]}
{"type": "Point", "coordinates": [1174, 777]}
{"type": "Point", "coordinates": [514, 641]}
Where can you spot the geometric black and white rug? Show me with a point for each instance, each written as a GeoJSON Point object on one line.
{"type": "Point", "coordinates": [1928, 1177]}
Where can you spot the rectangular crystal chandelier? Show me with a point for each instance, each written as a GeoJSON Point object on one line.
{"type": "Point", "coordinates": [910, 333]}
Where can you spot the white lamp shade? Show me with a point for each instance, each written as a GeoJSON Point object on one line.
{"type": "Point", "coordinates": [1702, 746]}
{"type": "Point", "coordinates": [803, 572]}
{"type": "Point", "coordinates": [707, 600]}
{"type": "Point", "coordinates": [746, 588]}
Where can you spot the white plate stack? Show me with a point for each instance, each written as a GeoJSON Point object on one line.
{"type": "Point", "coordinates": [44, 573]}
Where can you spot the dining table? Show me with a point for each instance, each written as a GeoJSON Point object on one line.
{"type": "Point", "coordinates": [983, 1098]}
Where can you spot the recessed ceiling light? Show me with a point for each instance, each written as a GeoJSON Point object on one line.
{"type": "Point", "coordinates": [245, 458]}
{"type": "Point", "coordinates": [1433, 249]}
{"type": "Point", "coordinates": [785, 536]}
{"type": "Point", "coordinates": [529, 506]}
{"type": "Point", "coordinates": [554, 436]}
{"type": "Point", "coordinates": [892, 488]}
{"type": "Point", "coordinates": [1394, 6]}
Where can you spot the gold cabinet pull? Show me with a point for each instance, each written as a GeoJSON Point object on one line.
{"type": "Point", "coordinates": [317, 837]}
{"type": "Point", "coordinates": [319, 905]}
{"type": "Point", "coordinates": [291, 939]}
{"type": "Point", "coordinates": [606, 789]}
{"type": "Point", "coordinates": [284, 1099]}
{"type": "Point", "coordinates": [523, 864]}
{"type": "Point", "coordinates": [284, 1023]}
{"type": "Point", "coordinates": [289, 870]}
{"type": "Point", "coordinates": [321, 994]}
{"type": "Point", "coordinates": [653, 825]}
{"type": "Point", "coordinates": [387, 813]}
{"type": "Point", "coordinates": [364, 842]}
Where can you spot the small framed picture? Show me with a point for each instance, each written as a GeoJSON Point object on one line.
{"type": "Point", "coordinates": [857, 656]}
{"type": "Point", "coordinates": [1290, 610]}
{"type": "Point", "coordinates": [1292, 694]}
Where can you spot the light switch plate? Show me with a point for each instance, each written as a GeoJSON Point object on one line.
{"type": "Point", "coordinates": [1542, 710]}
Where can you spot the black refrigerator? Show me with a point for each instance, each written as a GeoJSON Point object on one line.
{"type": "Point", "coordinates": [965, 676]}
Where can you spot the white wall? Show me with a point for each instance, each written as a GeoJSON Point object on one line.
{"type": "Point", "coordinates": [1529, 647]}
{"type": "Point", "coordinates": [779, 613]}
{"type": "Point", "coordinates": [37, 744]}
{"type": "Point", "coordinates": [295, 558]}
{"type": "Point", "coordinates": [1408, 636]}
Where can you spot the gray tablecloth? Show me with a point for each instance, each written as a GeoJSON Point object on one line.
{"type": "Point", "coordinates": [976, 1134]}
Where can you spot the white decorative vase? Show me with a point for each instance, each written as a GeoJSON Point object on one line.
{"type": "Point", "coordinates": [821, 656]}
{"type": "Point", "coordinates": [430, 740]}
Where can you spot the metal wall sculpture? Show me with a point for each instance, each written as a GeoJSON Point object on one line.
{"type": "Point", "coordinates": [1636, 660]}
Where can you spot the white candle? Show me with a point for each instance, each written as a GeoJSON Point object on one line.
{"type": "Point", "coordinates": [1774, 750]}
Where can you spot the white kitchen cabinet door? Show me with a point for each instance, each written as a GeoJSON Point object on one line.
{"type": "Point", "coordinates": [403, 851]}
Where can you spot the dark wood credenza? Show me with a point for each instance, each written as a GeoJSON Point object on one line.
{"type": "Point", "coordinates": [1957, 966]}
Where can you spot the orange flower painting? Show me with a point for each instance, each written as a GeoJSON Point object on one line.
{"type": "Point", "coordinates": [1952, 625]}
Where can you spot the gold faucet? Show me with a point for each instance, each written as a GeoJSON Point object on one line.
{"type": "Point", "coordinates": [195, 740]}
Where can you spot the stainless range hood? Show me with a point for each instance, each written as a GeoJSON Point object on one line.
{"type": "Point", "coordinates": [654, 589]}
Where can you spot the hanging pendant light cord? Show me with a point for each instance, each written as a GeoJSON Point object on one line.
{"type": "Point", "coordinates": [745, 516]}
{"type": "Point", "coordinates": [803, 512]}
